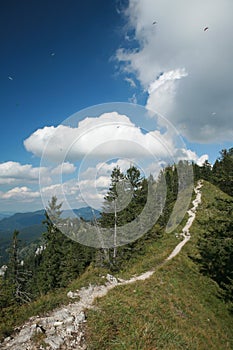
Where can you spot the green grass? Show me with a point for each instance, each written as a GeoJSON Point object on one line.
{"type": "Point", "coordinates": [177, 308]}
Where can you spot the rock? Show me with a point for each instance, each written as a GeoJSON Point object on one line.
{"type": "Point", "coordinates": [72, 295]}
{"type": "Point", "coordinates": [24, 335]}
{"type": "Point", "coordinates": [55, 342]}
{"type": "Point", "coordinates": [80, 318]}
{"type": "Point", "coordinates": [70, 329]}
{"type": "Point", "coordinates": [111, 279]}
{"type": "Point", "coordinates": [69, 320]}
{"type": "Point", "coordinates": [6, 340]}
{"type": "Point", "coordinates": [61, 315]}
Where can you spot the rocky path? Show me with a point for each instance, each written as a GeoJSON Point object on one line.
{"type": "Point", "coordinates": [64, 328]}
{"type": "Point", "coordinates": [192, 214]}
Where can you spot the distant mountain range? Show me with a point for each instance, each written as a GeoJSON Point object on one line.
{"type": "Point", "coordinates": [30, 226]}
{"type": "Point", "coordinates": [5, 214]}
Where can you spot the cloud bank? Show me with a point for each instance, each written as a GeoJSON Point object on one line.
{"type": "Point", "coordinates": [109, 135]}
{"type": "Point", "coordinates": [197, 98]}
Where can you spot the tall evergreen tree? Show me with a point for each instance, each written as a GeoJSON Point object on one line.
{"type": "Point", "coordinates": [50, 272]}
{"type": "Point", "coordinates": [17, 276]}
{"type": "Point", "coordinates": [223, 171]}
{"type": "Point", "coordinates": [123, 203]}
{"type": "Point", "coordinates": [111, 217]}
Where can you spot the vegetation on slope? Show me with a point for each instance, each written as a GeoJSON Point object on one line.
{"type": "Point", "coordinates": [181, 306]}
{"type": "Point", "coordinates": [177, 308]}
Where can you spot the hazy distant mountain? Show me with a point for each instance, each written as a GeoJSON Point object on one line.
{"type": "Point", "coordinates": [86, 213]}
{"type": "Point", "coordinates": [19, 221]}
{"type": "Point", "coordinates": [31, 227]}
{"type": "Point", "coordinates": [5, 214]}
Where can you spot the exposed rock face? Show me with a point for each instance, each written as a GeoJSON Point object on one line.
{"type": "Point", "coordinates": [62, 329]}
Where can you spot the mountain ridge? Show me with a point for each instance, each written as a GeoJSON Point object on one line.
{"type": "Point", "coordinates": [30, 225]}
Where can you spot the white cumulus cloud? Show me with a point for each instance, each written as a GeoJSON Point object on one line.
{"type": "Point", "coordinates": [14, 172]}
{"type": "Point", "coordinates": [178, 42]}
{"type": "Point", "coordinates": [109, 135]}
{"type": "Point", "coordinates": [20, 193]}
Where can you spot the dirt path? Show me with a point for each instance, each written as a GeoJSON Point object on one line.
{"type": "Point", "coordinates": [192, 214]}
{"type": "Point", "coordinates": [63, 328]}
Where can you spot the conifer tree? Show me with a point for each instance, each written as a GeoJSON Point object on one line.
{"type": "Point", "coordinates": [50, 272]}
{"type": "Point", "coordinates": [17, 276]}
{"type": "Point", "coordinates": [223, 171]}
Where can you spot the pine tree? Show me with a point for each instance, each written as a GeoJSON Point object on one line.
{"type": "Point", "coordinates": [50, 272]}
{"type": "Point", "coordinates": [223, 171]}
{"type": "Point", "coordinates": [75, 259]}
{"type": "Point", "coordinates": [206, 171]}
{"type": "Point", "coordinates": [17, 276]}
{"type": "Point", "coordinates": [123, 204]}
{"type": "Point", "coordinates": [113, 202]}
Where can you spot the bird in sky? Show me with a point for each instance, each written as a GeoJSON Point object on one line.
{"type": "Point", "coordinates": [53, 54]}
{"type": "Point", "coordinates": [205, 29]}
{"type": "Point", "coordinates": [154, 22]}
{"type": "Point", "coordinates": [10, 78]}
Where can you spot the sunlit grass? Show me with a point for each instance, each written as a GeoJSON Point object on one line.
{"type": "Point", "coordinates": [176, 308]}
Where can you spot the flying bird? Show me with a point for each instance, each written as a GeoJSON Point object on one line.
{"type": "Point", "coordinates": [10, 78]}
{"type": "Point", "coordinates": [205, 29]}
{"type": "Point", "coordinates": [154, 22]}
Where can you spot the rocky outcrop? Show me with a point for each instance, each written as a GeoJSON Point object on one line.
{"type": "Point", "coordinates": [63, 328]}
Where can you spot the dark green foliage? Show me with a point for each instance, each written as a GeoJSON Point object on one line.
{"type": "Point", "coordinates": [203, 172]}
{"type": "Point", "coordinates": [59, 261]}
{"type": "Point", "coordinates": [62, 259]}
{"type": "Point", "coordinates": [171, 178]}
{"type": "Point", "coordinates": [222, 173]}
{"type": "Point", "coordinates": [216, 246]}
{"type": "Point", "coordinates": [15, 281]}
{"type": "Point", "coordinates": [123, 203]}
{"type": "Point", "coordinates": [49, 274]}
{"type": "Point", "coordinates": [140, 193]}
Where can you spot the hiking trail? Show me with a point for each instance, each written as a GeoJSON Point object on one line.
{"type": "Point", "coordinates": [63, 328]}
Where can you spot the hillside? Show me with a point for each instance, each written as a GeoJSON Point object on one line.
{"type": "Point", "coordinates": [176, 307]}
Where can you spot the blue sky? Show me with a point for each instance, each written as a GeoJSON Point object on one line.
{"type": "Point", "coordinates": [60, 57]}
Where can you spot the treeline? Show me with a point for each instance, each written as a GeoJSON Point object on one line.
{"type": "Point", "coordinates": [216, 246]}
{"type": "Point", "coordinates": [58, 260]}
{"type": "Point", "coordinates": [216, 243]}
{"type": "Point", "coordinates": [55, 263]}
{"type": "Point", "coordinates": [220, 174]}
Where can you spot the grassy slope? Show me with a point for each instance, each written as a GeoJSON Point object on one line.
{"type": "Point", "coordinates": [177, 308]}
